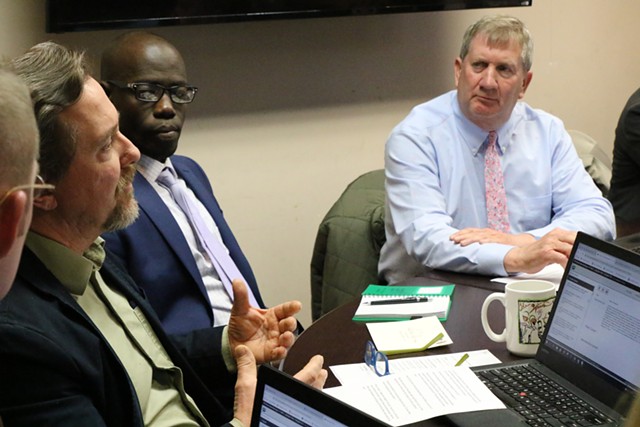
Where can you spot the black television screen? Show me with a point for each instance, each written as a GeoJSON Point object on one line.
{"type": "Point", "coordinates": [84, 15]}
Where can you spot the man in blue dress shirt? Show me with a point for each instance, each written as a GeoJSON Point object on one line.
{"type": "Point", "coordinates": [437, 215]}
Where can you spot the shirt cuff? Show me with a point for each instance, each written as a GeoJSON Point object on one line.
{"type": "Point", "coordinates": [236, 423]}
{"type": "Point", "coordinates": [227, 355]}
{"type": "Point", "coordinates": [491, 259]}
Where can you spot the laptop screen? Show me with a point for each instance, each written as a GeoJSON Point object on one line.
{"type": "Point", "coordinates": [279, 409]}
{"type": "Point", "coordinates": [593, 336]}
{"type": "Point", "coordinates": [281, 400]}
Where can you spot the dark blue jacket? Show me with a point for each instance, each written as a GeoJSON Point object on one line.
{"type": "Point", "coordinates": [157, 256]}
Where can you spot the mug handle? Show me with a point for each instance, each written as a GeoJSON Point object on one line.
{"type": "Point", "coordinates": [485, 321]}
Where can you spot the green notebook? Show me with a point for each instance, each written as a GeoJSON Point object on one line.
{"type": "Point", "coordinates": [403, 303]}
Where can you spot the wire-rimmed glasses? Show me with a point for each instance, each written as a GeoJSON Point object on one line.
{"type": "Point", "coordinates": [376, 359]}
{"type": "Point", "coordinates": [152, 92]}
{"type": "Point", "coordinates": [38, 187]}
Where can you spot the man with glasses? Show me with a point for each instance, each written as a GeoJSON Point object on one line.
{"type": "Point", "coordinates": [18, 168]}
{"type": "Point", "coordinates": [165, 251]}
{"type": "Point", "coordinates": [79, 342]}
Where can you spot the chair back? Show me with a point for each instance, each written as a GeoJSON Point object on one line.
{"type": "Point", "coordinates": [594, 159]}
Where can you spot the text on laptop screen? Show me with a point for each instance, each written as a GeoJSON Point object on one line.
{"type": "Point", "coordinates": [279, 409]}
{"type": "Point", "coordinates": [597, 318]}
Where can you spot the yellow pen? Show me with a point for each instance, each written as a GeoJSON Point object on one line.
{"type": "Point", "coordinates": [435, 340]}
{"type": "Point", "coordinates": [462, 359]}
{"type": "Point", "coordinates": [429, 344]}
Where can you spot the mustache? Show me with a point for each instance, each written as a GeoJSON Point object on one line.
{"type": "Point", "coordinates": [126, 209]}
{"type": "Point", "coordinates": [126, 177]}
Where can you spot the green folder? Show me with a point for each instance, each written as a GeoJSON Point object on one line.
{"type": "Point", "coordinates": [394, 312]}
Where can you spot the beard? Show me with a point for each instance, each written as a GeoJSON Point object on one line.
{"type": "Point", "coordinates": [126, 210]}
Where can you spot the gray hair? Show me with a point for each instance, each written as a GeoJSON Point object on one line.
{"type": "Point", "coordinates": [55, 76]}
{"type": "Point", "coordinates": [18, 132]}
{"type": "Point", "coordinates": [500, 30]}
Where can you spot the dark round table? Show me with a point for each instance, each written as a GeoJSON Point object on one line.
{"type": "Point", "coordinates": [341, 340]}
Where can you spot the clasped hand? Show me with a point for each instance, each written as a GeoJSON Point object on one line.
{"type": "Point", "coordinates": [528, 255]}
{"type": "Point", "coordinates": [470, 235]}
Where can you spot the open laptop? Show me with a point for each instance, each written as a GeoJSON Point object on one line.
{"type": "Point", "coordinates": [281, 400]}
{"type": "Point", "coordinates": [591, 346]}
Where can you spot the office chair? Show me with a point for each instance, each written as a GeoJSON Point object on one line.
{"type": "Point", "coordinates": [594, 159]}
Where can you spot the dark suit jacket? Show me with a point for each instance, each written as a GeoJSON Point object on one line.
{"type": "Point", "coordinates": [56, 368]}
{"type": "Point", "coordinates": [624, 194]}
{"type": "Point", "coordinates": [157, 255]}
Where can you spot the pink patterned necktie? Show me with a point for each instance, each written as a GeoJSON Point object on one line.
{"type": "Point", "coordinates": [497, 214]}
{"type": "Point", "coordinates": [222, 262]}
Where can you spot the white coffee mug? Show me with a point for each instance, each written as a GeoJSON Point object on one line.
{"type": "Point", "coordinates": [527, 306]}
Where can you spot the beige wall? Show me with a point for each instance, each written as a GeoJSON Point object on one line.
{"type": "Point", "coordinates": [289, 112]}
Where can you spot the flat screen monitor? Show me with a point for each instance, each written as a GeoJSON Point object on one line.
{"type": "Point", "coordinates": [85, 15]}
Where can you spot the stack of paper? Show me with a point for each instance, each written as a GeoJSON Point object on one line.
{"type": "Point", "coordinates": [400, 399]}
{"type": "Point", "coordinates": [382, 303]}
{"type": "Point", "coordinates": [405, 337]}
{"type": "Point", "coordinates": [418, 388]}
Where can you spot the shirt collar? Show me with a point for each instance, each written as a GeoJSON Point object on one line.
{"type": "Point", "coordinates": [475, 137]}
{"type": "Point", "coordinates": [151, 168]}
{"type": "Point", "coordinates": [71, 269]}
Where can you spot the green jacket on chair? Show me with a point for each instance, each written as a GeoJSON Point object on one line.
{"type": "Point", "coordinates": [347, 247]}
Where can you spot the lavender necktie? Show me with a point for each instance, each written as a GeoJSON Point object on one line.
{"type": "Point", "coordinates": [218, 255]}
{"type": "Point", "coordinates": [497, 214]}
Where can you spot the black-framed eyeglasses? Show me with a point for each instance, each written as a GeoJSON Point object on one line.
{"type": "Point", "coordinates": [376, 359]}
{"type": "Point", "coordinates": [39, 187]}
{"type": "Point", "coordinates": [152, 92]}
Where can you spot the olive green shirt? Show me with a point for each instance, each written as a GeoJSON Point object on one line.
{"type": "Point", "coordinates": [157, 381]}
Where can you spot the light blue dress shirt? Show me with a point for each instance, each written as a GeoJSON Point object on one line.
{"type": "Point", "coordinates": [434, 165]}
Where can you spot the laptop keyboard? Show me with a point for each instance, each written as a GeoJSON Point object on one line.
{"type": "Point", "coordinates": [540, 400]}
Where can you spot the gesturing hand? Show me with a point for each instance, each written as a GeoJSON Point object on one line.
{"type": "Point", "coordinates": [245, 385]}
{"type": "Point", "coordinates": [313, 373]}
{"type": "Point", "coordinates": [267, 332]}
